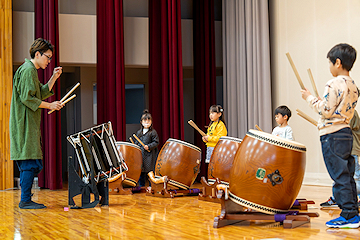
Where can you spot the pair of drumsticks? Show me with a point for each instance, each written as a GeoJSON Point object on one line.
{"type": "Point", "coordinates": [300, 113]}
{"type": "Point", "coordinates": [138, 139]}
{"type": "Point", "coordinates": [64, 100]}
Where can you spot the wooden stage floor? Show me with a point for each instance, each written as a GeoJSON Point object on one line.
{"type": "Point", "coordinates": [143, 217]}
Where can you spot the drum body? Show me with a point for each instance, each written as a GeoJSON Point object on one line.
{"type": "Point", "coordinates": [267, 172]}
{"type": "Point", "coordinates": [222, 159]}
{"type": "Point", "coordinates": [132, 155]}
{"type": "Point", "coordinates": [180, 162]}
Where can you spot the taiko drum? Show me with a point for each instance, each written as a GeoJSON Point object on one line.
{"type": "Point", "coordinates": [222, 159]}
{"type": "Point", "coordinates": [180, 162]}
{"type": "Point", "coordinates": [267, 172]}
{"type": "Point", "coordinates": [133, 159]}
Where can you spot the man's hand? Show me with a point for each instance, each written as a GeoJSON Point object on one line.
{"type": "Point", "coordinates": [57, 72]}
{"type": "Point", "coordinates": [57, 105]}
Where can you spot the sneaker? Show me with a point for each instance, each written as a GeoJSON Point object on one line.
{"type": "Point", "coordinates": [329, 203]}
{"type": "Point", "coordinates": [31, 205]}
{"type": "Point", "coordinates": [341, 222]}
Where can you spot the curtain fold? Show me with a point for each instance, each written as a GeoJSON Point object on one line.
{"type": "Point", "coordinates": [47, 27]}
{"type": "Point", "coordinates": [165, 69]}
{"type": "Point", "coordinates": [111, 66]}
{"type": "Point", "coordinates": [246, 64]}
{"type": "Point", "coordinates": [204, 68]}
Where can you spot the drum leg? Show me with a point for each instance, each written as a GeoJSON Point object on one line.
{"type": "Point", "coordinates": [301, 204]}
{"type": "Point", "coordinates": [103, 188]}
{"type": "Point", "coordinates": [159, 188]}
{"type": "Point", "coordinates": [78, 186]}
{"type": "Point", "coordinates": [116, 187]}
{"type": "Point", "coordinates": [209, 192]}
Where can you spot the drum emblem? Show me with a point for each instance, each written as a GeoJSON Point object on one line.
{"type": "Point", "coordinates": [260, 173]}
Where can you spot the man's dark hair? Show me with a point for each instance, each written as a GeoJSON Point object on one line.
{"type": "Point", "coordinates": [344, 52]}
{"type": "Point", "coordinates": [40, 45]}
{"type": "Point", "coordinates": [283, 110]}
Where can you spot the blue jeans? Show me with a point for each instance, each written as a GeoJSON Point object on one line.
{"type": "Point", "coordinates": [336, 149]}
{"type": "Point", "coordinates": [28, 169]}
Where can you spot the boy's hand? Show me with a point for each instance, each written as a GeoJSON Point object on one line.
{"type": "Point", "coordinates": [205, 138]}
{"type": "Point", "coordinates": [305, 93]}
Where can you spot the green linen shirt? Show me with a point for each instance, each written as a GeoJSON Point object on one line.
{"type": "Point", "coordinates": [25, 114]}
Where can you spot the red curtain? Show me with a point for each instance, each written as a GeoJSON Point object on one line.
{"type": "Point", "coordinates": [204, 68]}
{"type": "Point", "coordinates": [165, 69]}
{"type": "Point", "coordinates": [47, 27]}
{"type": "Point", "coordinates": [111, 66]}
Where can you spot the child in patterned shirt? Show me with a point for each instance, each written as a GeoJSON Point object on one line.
{"type": "Point", "coordinates": [335, 110]}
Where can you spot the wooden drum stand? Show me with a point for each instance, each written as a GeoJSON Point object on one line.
{"type": "Point", "coordinates": [160, 187]}
{"type": "Point", "coordinates": [232, 212]}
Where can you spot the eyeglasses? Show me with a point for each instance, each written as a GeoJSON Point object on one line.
{"type": "Point", "coordinates": [49, 58]}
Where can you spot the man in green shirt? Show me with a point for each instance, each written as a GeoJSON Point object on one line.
{"type": "Point", "coordinates": [25, 116]}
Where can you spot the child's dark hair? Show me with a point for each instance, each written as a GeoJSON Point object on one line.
{"type": "Point", "coordinates": [146, 115]}
{"type": "Point", "coordinates": [344, 52]}
{"type": "Point", "coordinates": [217, 109]}
{"type": "Point", "coordinates": [283, 110]}
{"type": "Point", "coordinates": [40, 45]}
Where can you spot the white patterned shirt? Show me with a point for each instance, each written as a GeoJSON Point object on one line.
{"type": "Point", "coordinates": [284, 132]}
{"type": "Point", "coordinates": [337, 106]}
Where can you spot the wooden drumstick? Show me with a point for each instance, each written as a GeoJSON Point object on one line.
{"type": "Point", "coordinates": [295, 71]}
{"type": "Point", "coordinates": [306, 117]}
{"type": "Point", "coordinates": [131, 140]}
{"type": "Point", "coordinates": [313, 83]}
{"type": "Point", "coordinates": [136, 137]}
{"type": "Point", "coordinates": [68, 94]}
{"type": "Point", "coordinates": [258, 128]}
{"type": "Point", "coordinates": [196, 127]}
{"type": "Point", "coordinates": [67, 100]}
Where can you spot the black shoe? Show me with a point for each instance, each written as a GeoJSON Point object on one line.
{"type": "Point", "coordinates": [329, 203]}
{"type": "Point", "coordinates": [31, 205]}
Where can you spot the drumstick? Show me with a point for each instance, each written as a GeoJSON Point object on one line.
{"type": "Point", "coordinates": [131, 140]}
{"type": "Point", "coordinates": [258, 128]}
{"type": "Point", "coordinates": [68, 94]}
{"type": "Point", "coordinates": [306, 117]}
{"type": "Point", "coordinates": [136, 137]}
{"type": "Point", "coordinates": [67, 100]}
{"type": "Point", "coordinates": [295, 71]}
{"type": "Point", "coordinates": [313, 82]}
{"type": "Point", "coordinates": [196, 127]}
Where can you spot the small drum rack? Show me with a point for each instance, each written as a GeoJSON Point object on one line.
{"type": "Point", "coordinates": [98, 161]}
{"type": "Point", "coordinates": [232, 213]}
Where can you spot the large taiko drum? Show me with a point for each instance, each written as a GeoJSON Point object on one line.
{"type": "Point", "coordinates": [180, 162]}
{"type": "Point", "coordinates": [267, 172]}
{"type": "Point", "coordinates": [222, 158]}
{"type": "Point", "coordinates": [133, 159]}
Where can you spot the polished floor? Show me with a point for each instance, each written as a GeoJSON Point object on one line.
{"type": "Point", "coordinates": [145, 217]}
